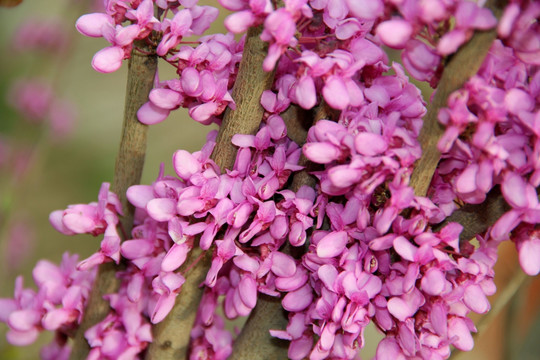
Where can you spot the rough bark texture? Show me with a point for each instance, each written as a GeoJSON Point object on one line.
{"type": "Point", "coordinates": [171, 336]}
{"type": "Point", "coordinates": [250, 83]}
{"type": "Point", "coordinates": [128, 170]}
{"type": "Point", "coordinates": [255, 341]}
{"type": "Point", "coordinates": [130, 159]}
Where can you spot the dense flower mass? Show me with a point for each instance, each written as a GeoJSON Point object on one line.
{"type": "Point", "coordinates": [364, 243]}
{"type": "Point", "coordinates": [57, 305]}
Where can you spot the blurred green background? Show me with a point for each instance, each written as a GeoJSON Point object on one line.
{"type": "Point", "coordinates": [71, 170]}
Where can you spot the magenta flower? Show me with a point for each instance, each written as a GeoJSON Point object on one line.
{"type": "Point", "coordinates": [174, 30]}
{"type": "Point", "coordinates": [58, 304]}
{"type": "Point", "coordinates": [94, 218]}
{"type": "Point", "coordinates": [362, 245]}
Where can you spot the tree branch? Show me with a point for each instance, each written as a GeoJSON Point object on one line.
{"type": "Point", "coordinates": [477, 218]}
{"type": "Point", "coordinates": [127, 172]}
{"type": "Point", "coordinates": [171, 336]}
{"type": "Point", "coordinates": [250, 83]}
{"type": "Point", "coordinates": [461, 66]}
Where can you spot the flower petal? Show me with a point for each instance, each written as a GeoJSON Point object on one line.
{"type": "Point", "coordinates": [151, 114]}
{"type": "Point", "coordinates": [332, 244]}
{"type": "Point", "coordinates": [529, 256]}
{"type": "Point", "coordinates": [91, 24]}
{"type": "Point", "coordinates": [298, 300]}
{"type": "Point", "coordinates": [185, 164]}
{"type": "Point", "coordinates": [395, 33]}
{"type": "Point", "coordinates": [108, 60]}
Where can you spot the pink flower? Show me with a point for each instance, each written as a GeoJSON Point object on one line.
{"type": "Point", "coordinates": [175, 30]}
{"type": "Point", "coordinates": [395, 33]}
{"type": "Point", "coordinates": [94, 218]}
{"type": "Point", "coordinates": [58, 304]}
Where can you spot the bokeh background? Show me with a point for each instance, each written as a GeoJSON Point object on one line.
{"type": "Point", "coordinates": [42, 170]}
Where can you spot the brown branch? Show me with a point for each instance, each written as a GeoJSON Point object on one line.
{"type": "Point", "coordinates": [171, 336]}
{"type": "Point", "coordinates": [130, 158]}
{"type": "Point", "coordinates": [477, 218]}
{"type": "Point", "coordinates": [461, 66]}
{"type": "Point", "coordinates": [255, 341]}
{"type": "Point", "coordinates": [127, 172]}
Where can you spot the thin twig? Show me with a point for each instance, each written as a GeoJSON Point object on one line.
{"type": "Point", "coordinates": [171, 336]}
{"type": "Point", "coordinates": [128, 170]}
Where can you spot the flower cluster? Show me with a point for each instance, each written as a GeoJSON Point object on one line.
{"type": "Point", "coordinates": [364, 243]}
{"type": "Point", "coordinates": [491, 139]}
{"type": "Point", "coordinates": [428, 31]}
{"type": "Point", "coordinates": [191, 20]}
{"type": "Point", "coordinates": [57, 305]}
{"type": "Point", "coordinates": [374, 263]}
{"type": "Point", "coordinates": [206, 77]}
